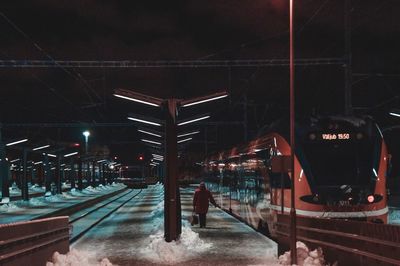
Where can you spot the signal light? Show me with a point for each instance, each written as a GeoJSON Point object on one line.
{"type": "Point", "coordinates": [76, 145]}
{"type": "Point", "coordinates": [371, 198]}
{"type": "Point", "coordinates": [141, 157]}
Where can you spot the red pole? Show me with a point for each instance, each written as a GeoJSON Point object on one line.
{"type": "Point", "coordinates": [292, 145]}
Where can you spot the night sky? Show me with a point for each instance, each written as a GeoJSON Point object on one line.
{"type": "Point", "coordinates": [191, 30]}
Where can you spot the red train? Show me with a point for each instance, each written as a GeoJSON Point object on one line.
{"type": "Point", "coordinates": [340, 168]}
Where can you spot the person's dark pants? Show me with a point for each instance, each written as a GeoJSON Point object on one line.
{"type": "Point", "coordinates": [202, 219]}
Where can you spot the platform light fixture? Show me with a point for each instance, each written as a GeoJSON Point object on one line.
{"type": "Point", "coordinates": [193, 120]}
{"type": "Point", "coordinates": [41, 147]}
{"type": "Point", "coordinates": [149, 133]}
{"type": "Point", "coordinates": [71, 154]}
{"type": "Point", "coordinates": [394, 114]}
{"type": "Point", "coordinates": [184, 140]}
{"type": "Point", "coordinates": [205, 99]}
{"type": "Point", "coordinates": [188, 134]}
{"type": "Point", "coordinates": [50, 155]}
{"type": "Point", "coordinates": [16, 142]}
{"type": "Point", "coordinates": [150, 141]}
{"type": "Point", "coordinates": [135, 100]}
{"type": "Point", "coordinates": [144, 121]}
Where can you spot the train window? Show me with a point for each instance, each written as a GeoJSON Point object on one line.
{"type": "Point", "coordinates": [340, 163]}
{"type": "Point", "coordinates": [276, 180]}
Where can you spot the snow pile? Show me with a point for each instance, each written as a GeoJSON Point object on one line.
{"type": "Point", "coordinates": [157, 250]}
{"type": "Point", "coordinates": [9, 207]}
{"type": "Point", "coordinates": [77, 258]}
{"type": "Point", "coordinates": [55, 198]}
{"type": "Point", "coordinates": [38, 188]}
{"type": "Point", "coordinates": [305, 257]}
{"type": "Point", "coordinates": [190, 245]}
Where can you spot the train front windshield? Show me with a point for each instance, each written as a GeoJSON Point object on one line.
{"type": "Point", "coordinates": [340, 163]}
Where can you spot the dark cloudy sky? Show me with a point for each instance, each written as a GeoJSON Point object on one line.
{"type": "Point", "coordinates": [187, 30]}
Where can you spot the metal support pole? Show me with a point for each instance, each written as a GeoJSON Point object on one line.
{"type": "Point", "coordinates": [348, 108]}
{"type": "Point", "coordinates": [292, 143]}
{"type": "Point", "coordinates": [171, 156]}
{"type": "Point", "coordinates": [80, 184]}
{"type": "Point", "coordinates": [103, 174]}
{"type": "Point", "coordinates": [4, 170]}
{"type": "Point", "coordinates": [47, 173]}
{"type": "Point", "coordinates": [72, 174]}
{"type": "Point", "coordinates": [58, 175]}
{"type": "Point", "coordinates": [93, 174]}
{"type": "Point", "coordinates": [24, 186]}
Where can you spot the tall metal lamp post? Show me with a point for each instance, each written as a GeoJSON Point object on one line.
{"type": "Point", "coordinates": [86, 134]}
{"type": "Point", "coordinates": [292, 141]}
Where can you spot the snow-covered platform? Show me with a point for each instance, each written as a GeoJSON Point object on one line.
{"type": "Point", "coordinates": [134, 236]}
{"type": "Point", "coordinates": [17, 211]}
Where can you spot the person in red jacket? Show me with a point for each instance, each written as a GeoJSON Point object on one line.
{"type": "Point", "coordinates": [200, 203]}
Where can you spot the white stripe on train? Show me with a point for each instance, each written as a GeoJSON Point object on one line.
{"type": "Point", "coordinates": [323, 214]}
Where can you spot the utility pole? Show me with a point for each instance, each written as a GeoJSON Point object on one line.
{"type": "Point", "coordinates": [348, 107]}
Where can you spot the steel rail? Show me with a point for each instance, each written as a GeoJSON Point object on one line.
{"type": "Point", "coordinates": [83, 232]}
{"type": "Point", "coordinates": [99, 207]}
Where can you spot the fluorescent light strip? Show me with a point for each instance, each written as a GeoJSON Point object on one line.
{"type": "Point", "coordinates": [188, 134]}
{"type": "Point", "coordinates": [144, 121]}
{"type": "Point", "coordinates": [16, 160]}
{"type": "Point", "coordinates": [146, 132]}
{"type": "Point", "coordinates": [100, 161]}
{"type": "Point", "coordinates": [50, 155]}
{"type": "Point", "coordinates": [394, 114]}
{"type": "Point", "coordinates": [184, 140]}
{"type": "Point", "coordinates": [70, 154]}
{"type": "Point", "coordinates": [157, 155]}
{"type": "Point", "coordinates": [36, 163]}
{"type": "Point", "coordinates": [158, 159]}
{"type": "Point", "coordinates": [150, 141]}
{"type": "Point", "coordinates": [136, 100]}
{"type": "Point", "coordinates": [41, 147]}
{"type": "Point", "coordinates": [16, 142]}
{"type": "Point", "coordinates": [193, 120]}
{"type": "Point", "coordinates": [153, 164]}
{"type": "Point", "coordinates": [206, 100]}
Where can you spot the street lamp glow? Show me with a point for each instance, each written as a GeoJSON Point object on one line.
{"type": "Point", "coordinates": [86, 133]}
{"type": "Point", "coordinates": [16, 142]}
{"type": "Point", "coordinates": [71, 154]}
{"type": "Point", "coordinates": [394, 114]}
{"type": "Point", "coordinates": [205, 100]}
{"type": "Point", "coordinates": [184, 140]}
{"type": "Point", "coordinates": [188, 134]}
{"type": "Point", "coordinates": [144, 121]}
{"type": "Point", "coordinates": [41, 147]}
{"type": "Point", "coordinates": [150, 141]}
{"type": "Point", "coordinates": [149, 133]}
{"type": "Point", "coordinates": [193, 120]}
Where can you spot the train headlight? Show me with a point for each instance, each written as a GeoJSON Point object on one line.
{"type": "Point", "coordinates": [371, 198]}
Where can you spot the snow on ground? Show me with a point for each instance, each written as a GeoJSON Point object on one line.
{"type": "Point", "coordinates": [77, 258]}
{"type": "Point", "coordinates": [305, 257]}
{"type": "Point", "coordinates": [157, 250]}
